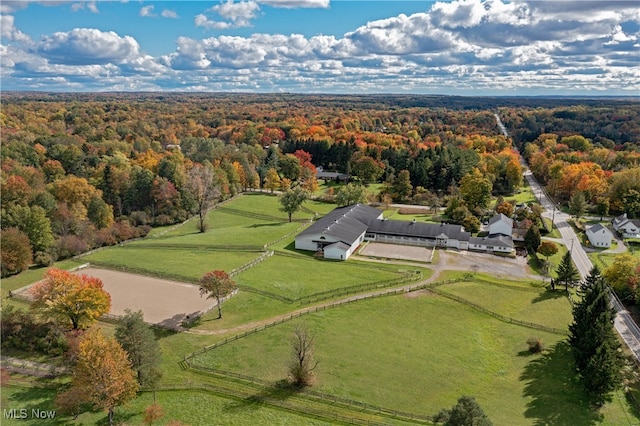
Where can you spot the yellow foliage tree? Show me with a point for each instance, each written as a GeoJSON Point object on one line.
{"type": "Point", "coordinates": [70, 297]}
{"type": "Point", "coordinates": [103, 376]}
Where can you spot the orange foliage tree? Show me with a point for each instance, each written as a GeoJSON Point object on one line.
{"type": "Point", "coordinates": [217, 284]}
{"type": "Point", "coordinates": [64, 296]}
{"type": "Point", "coordinates": [102, 377]}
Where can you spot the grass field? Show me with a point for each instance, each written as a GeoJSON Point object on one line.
{"type": "Point", "coordinates": [304, 276]}
{"type": "Point", "coordinates": [416, 352]}
{"type": "Point", "coordinates": [551, 309]}
{"type": "Point", "coordinates": [428, 351]}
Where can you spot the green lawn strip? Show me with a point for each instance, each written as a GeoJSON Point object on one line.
{"type": "Point", "coordinates": [546, 308]}
{"type": "Point", "coordinates": [554, 261]}
{"type": "Point", "coordinates": [527, 284]}
{"type": "Point", "coordinates": [297, 277]}
{"type": "Point", "coordinates": [524, 195]}
{"type": "Point", "coordinates": [428, 351]}
{"type": "Point", "coordinates": [172, 263]}
{"type": "Point", "coordinates": [196, 407]}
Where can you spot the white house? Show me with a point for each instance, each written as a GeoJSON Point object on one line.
{"type": "Point", "coordinates": [500, 244]}
{"type": "Point", "coordinates": [599, 236]}
{"type": "Point", "coordinates": [500, 225]}
{"type": "Point", "coordinates": [628, 228]}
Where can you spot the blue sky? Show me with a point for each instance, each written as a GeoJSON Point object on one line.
{"type": "Point", "coordinates": [460, 47]}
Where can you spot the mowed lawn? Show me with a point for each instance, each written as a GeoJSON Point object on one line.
{"type": "Point", "coordinates": [551, 309]}
{"type": "Point", "coordinates": [419, 353]}
{"type": "Point", "coordinates": [191, 263]}
{"type": "Point", "coordinates": [296, 277]}
{"type": "Point", "coordinates": [190, 407]}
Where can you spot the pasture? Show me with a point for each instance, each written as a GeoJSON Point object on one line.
{"type": "Point", "coordinates": [415, 352]}
{"type": "Point", "coordinates": [418, 353]}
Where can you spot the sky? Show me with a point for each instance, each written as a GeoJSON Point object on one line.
{"type": "Point", "coordinates": [455, 47]}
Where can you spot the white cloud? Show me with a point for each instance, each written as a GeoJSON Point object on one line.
{"type": "Point", "coordinates": [293, 4]}
{"type": "Point", "coordinates": [147, 11]}
{"type": "Point", "coordinates": [88, 46]}
{"type": "Point", "coordinates": [9, 31]}
{"type": "Point", "coordinates": [166, 13]}
{"type": "Point", "coordinates": [91, 6]}
{"type": "Point", "coordinates": [463, 45]}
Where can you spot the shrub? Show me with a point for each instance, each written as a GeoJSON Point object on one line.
{"type": "Point", "coordinates": [69, 246]}
{"type": "Point", "coordinates": [43, 259]}
{"type": "Point", "coordinates": [535, 345]}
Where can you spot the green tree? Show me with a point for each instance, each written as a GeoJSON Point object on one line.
{"type": "Point", "coordinates": [366, 168]}
{"type": "Point", "coordinates": [631, 202]}
{"type": "Point", "coordinates": [351, 194]}
{"type": "Point", "coordinates": [471, 224]}
{"type": "Point", "coordinates": [217, 284]}
{"type": "Point", "coordinates": [593, 340]}
{"type": "Point", "coordinates": [475, 190]}
{"type": "Point", "coordinates": [577, 204]}
{"type": "Point", "coordinates": [532, 238]}
{"type": "Point", "coordinates": [138, 340]}
{"type": "Point", "coordinates": [33, 221]}
{"type": "Point", "coordinates": [289, 167]}
{"type": "Point", "coordinates": [466, 412]}
{"type": "Point", "coordinates": [566, 272]}
{"type": "Point", "coordinates": [102, 376]}
{"type": "Point", "coordinates": [624, 276]}
{"type": "Point", "coordinates": [402, 187]}
{"type": "Point", "coordinates": [291, 201]}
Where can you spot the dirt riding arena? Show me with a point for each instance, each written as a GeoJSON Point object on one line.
{"type": "Point", "coordinates": [162, 302]}
{"type": "Point", "coordinates": [396, 251]}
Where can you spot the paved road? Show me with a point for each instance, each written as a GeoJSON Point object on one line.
{"type": "Point", "coordinates": [624, 323]}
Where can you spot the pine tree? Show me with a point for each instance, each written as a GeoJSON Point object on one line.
{"type": "Point", "coordinates": [138, 340]}
{"type": "Point", "coordinates": [567, 273]}
{"type": "Point", "coordinates": [594, 344]}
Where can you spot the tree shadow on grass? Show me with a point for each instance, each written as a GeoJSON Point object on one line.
{"type": "Point", "coordinates": [556, 396]}
{"type": "Point", "coordinates": [260, 225]}
{"type": "Point", "coordinates": [279, 391]}
{"type": "Point", "coordinates": [550, 295]}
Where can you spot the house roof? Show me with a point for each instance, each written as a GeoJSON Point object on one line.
{"type": "Point", "coordinates": [418, 229]}
{"type": "Point", "coordinates": [596, 228]}
{"type": "Point", "coordinates": [501, 218]}
{"type": "Point", "coordinates": [620, 219]}
{"type": "Point", "coordinates": [339, 245]}
{"type": "Point", "coordinates": [345, 224]}
{"type": "Point", "coordinates": [497, 241]}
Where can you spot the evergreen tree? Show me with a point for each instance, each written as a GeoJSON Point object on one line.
{"type": "Point", "coordinates": [577, 204]}
{"type": "Point", "coordinates": [466, 412]}
{"type": "Point", "coordinates": [532, 238]}
{"type": "Point", "coordinates": [567, 273]}
{"type": "Point", "coordinates": [138, 340]}
{"type": "Point", "coordinates": [593, 341]}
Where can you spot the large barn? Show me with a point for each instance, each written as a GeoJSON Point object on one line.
{"type": "Point", "coordinates": [338, 234]}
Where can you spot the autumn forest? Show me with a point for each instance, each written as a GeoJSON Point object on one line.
{"type": "Point", "coordinates": [81, 171]}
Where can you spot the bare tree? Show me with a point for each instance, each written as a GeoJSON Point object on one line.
{"type": "Point", "coordinates": [202, 184]}
{"type": "Point", "coordinates": [302, 364]}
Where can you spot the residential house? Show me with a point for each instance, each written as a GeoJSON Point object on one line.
{"type": "Point", "coordinates": [599, 236]}
{"type": "Point", "coordinates": [628, 228]}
